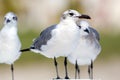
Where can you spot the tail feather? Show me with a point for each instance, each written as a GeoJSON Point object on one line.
{"type": "Point", "coordinates": [24, 50]}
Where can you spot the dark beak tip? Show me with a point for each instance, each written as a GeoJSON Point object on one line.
{"type": "Point", "coordinates": [88, 17]}
{"type": "Point", "coordinates": [85, 17]}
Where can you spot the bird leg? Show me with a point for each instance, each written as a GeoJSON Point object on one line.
{"type": "Point", "coordinates": [90, 70]}
{"type": "Point", "coordinates": [12, 70]}
{"type": "Point", "coordinates": [55, 63]}
{"type": "Point", "coordinates": [65, 64]}
{"type": "Point", "coordinates": [76, 69]}
{"type": "Point", "coordinates": [78, 72]}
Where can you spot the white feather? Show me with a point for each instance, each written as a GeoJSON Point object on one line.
{"type": "Point", "coordinates": [9, 42]}
{"type": "Point", "coordinates": [64, 37]}
{"type": "Point", "coordinates": [87, 49]}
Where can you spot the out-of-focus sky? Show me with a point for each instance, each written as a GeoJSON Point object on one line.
{"type": "Point", "coordinates": [42, 13]}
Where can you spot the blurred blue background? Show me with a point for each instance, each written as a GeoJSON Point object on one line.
{"type": "Point", "coordinates": [36, 15]}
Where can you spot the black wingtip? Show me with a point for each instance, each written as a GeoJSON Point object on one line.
{"type": "Point", "coordinates": [24, 50]}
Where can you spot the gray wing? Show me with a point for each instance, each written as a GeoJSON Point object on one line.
{"type": "Point", "coordinates": [45, 35]}
{"type": "Point", "coordinates": [95, 33]}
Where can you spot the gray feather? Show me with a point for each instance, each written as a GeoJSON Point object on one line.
{"type": "Point", "coordinates": [45, 35]}
{"type": "Point", "coordinates": [95, 33]}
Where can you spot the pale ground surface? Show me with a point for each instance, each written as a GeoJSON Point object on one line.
{"type": "Point", "coordinates": [105, 70]}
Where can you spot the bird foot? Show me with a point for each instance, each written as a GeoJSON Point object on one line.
{"type": "Point", "coordinates": [58, 77]}
{"type": "Point", "coordinates": [66, 77]}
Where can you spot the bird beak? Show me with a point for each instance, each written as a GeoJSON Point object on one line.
{"type": "Point", "coordinates": [84, 16]}
{"type": "Point", "coordinates": [86, 30]}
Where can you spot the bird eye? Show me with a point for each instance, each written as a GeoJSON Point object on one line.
{"type": "Point", "coordinates": [79, 27]}
{"type": "Point", "coordinates": [15, 18]}
{"type": "Point", "coordinates": [71, 14]}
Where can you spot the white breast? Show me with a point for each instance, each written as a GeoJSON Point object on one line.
{"type": "Point", "coordinates": [64, 40]}
{"type": "Point", "coordinates": [10, 46]}
{"type": "Point", "coordinates": [85, 52]}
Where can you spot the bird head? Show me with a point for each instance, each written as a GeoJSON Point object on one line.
{"type": "Point", "coordinates": [10, 19]}
{"type": "Point", "coordinates": [84, 28]}
{"type": "Point", "coordinates": [73, 14]}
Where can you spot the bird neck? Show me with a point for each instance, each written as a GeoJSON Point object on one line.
{"type": "Point", "coordinates": [9, 30]}
{"type": "Point", "coordinates": [89, 38]}
{"type": "Point", "coordinates": [68, 22]}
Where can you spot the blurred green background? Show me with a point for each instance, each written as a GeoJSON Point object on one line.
{"type": "Point", "coordinates": [36, 15]}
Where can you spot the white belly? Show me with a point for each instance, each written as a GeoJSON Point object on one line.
{"type": "Point", "coordinates": [84, 53]}
{"type": "Point", "coordinates": [9, 49]}
{"type": "Point", "coordinates": [62, 43]}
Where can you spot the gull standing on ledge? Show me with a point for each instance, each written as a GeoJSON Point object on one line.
{"type": "Point", "coordinates": [60, 39]}
{"type": "Point", "coordinates": [9, 41]}
{"type": "Point", "coordinates": [87, 50]}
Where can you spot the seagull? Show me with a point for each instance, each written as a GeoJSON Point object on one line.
{"type": "Point", "coordinates": [9, 41]}
{"type": "Point", "coordinates": [87, 50]}
{"type": "Point", "coordinates": [59, 39]}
